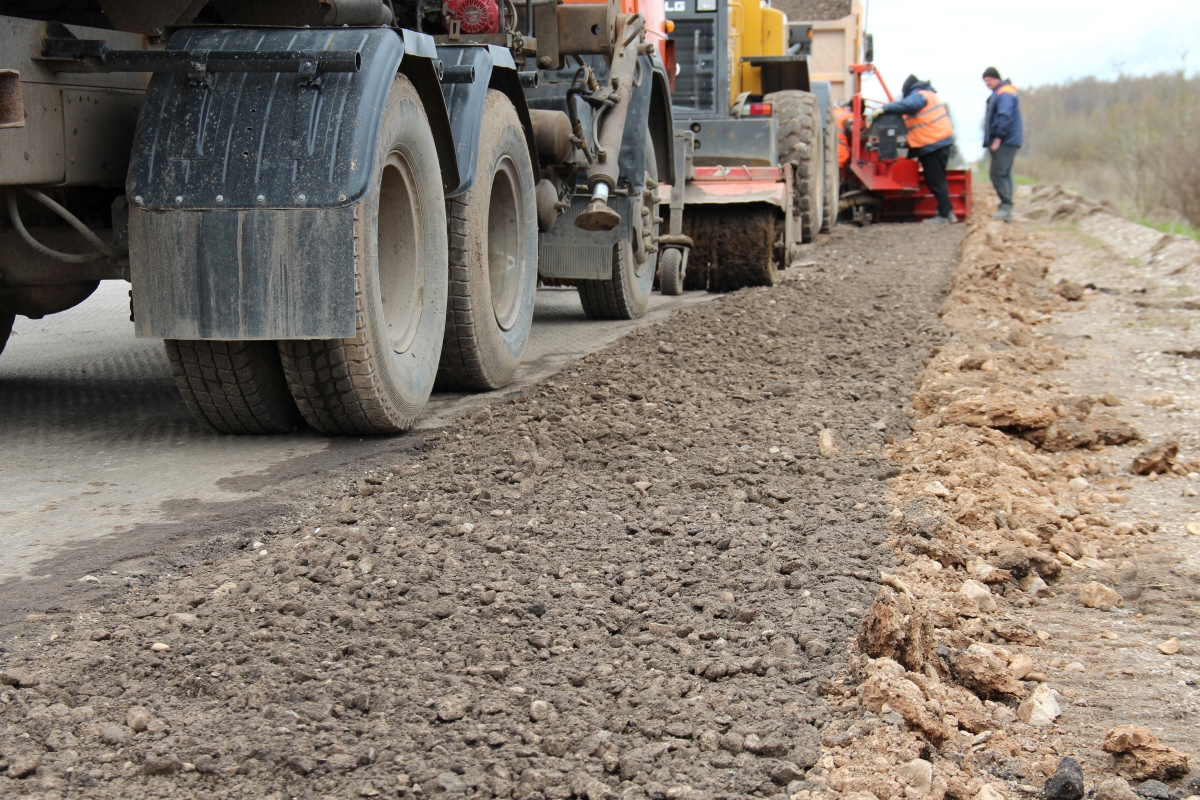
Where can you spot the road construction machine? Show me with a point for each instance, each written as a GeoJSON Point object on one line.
{"type": "Point", "coordinates": [880, 183]}
{"type": "Point", "coordinates": [325, 207]}
{"type": "Point", "coordinates": [762, 145]}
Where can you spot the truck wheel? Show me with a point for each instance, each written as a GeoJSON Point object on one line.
{"type": "Point", "coordinates": [6, 326]}
{"type": "Point", "coordinates": [493, 258]}
{"type": "Point", "coordinates": [628, 293]}
{"type": "Point", "coordinates": [670, 271]}
{"type": "Point", "coordinates": [236, 387]}
{"type": "Point", "coordinates": [833, 175]}
{"type": "Point", "coordinates": [799, 144]}
{"type": "Point", "coordinates": [380, 380]}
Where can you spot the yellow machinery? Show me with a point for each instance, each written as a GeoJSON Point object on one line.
{"type": "Point", "coordinates": [755, 30]}
{"type": "Point", "coordinates": [761, 167]}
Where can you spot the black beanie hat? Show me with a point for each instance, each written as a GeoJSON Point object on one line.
{"type": "Point", "coordinates": [908, 83]}
{"type": "Point", "coordinates": [992, 72]}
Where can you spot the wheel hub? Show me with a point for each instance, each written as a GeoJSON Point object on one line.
{"type": "Point", "coordinates": [401, 284]}
{"type": "Point", "coordinates": [505, 246]}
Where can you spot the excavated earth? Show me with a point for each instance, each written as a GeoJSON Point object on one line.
{"type": "Point", "coordinates": [640, 578]}
{"type": "Point", "coordinates": [804, 10]}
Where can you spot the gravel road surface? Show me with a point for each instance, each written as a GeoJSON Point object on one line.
{"type": "Point", "coordinates": [97, 441]}
{"type": "Point", "coordinates": [634, 579]}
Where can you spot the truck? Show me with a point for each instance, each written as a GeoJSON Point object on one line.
{"type": "Point", "coordinates": [763, 147]}
{"type": "Point", "coordinates": [326, 207]}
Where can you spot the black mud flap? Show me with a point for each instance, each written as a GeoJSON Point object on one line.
{"type": "Point", "coordinates": [242, 184]}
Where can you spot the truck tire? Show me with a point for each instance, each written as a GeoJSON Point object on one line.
{"type": "Point", "coordinates": [493, 258]}
{"type": "Point", "coordinates": [380, 380]}
{"type": "Point", "coordinates": [670, 271]}
{"type": "Point", "coordinates": [799, 144]}
{"type": "Point", "coordinates": [6, 326]}
{"type": "Point", "coordinates": [236, 387]}
{"type": "Point", "coordinates": [833, 175]}
{"type": "Point", "coordinates": [628, 293]}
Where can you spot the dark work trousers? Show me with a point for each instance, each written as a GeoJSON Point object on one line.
{"type": "Point", "coordinates": [1001, 172]}
{"type": "Point", "coordinates": [934, 165]}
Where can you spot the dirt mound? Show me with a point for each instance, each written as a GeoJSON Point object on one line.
{"type": "Point", "coordinates": [1164, 268]}
{"type": "Point", "coordinates": [999, 502]}
{"type": "Point", "coordinates": [807, 10]}
{"type": "Point", "coordinates": [635, 580]}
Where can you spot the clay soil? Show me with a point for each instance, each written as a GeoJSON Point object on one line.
{"type": "Point", "coordinates": [641, 578]}
{"type": "Point", "coordinates": [1046, 579]}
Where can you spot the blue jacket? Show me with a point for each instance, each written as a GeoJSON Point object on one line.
{"type": "Point", "coordinates": [911, 104]}
{"type": "Point", "coordinates": [1003, 118]}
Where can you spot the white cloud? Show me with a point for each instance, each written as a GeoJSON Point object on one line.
{"type": "Point", "coordinates": [1032, 42]}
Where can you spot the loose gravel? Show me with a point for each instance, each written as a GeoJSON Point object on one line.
{"type": "Point", "coordinates": [637, 579]}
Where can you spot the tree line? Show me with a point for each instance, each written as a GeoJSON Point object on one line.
{"type": "Point", "coordinates": [1133, 140]}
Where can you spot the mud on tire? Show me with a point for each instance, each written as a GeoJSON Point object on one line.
{"type": "Point", "coordinates": [831, 192]}
{"type": "Point", "coordinates": [799, 144]}
{"type": "Point", "coordinates": [380, 380]}
{"type": "Point", "coordinates": [493, 258]}
{"type": "Point", "coordinates": [236, 387]}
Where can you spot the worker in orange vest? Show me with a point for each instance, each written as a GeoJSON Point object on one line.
{"type": "Point", "coordinates": [930, 136]}
{"type": "Point", "coordinates": [842, 116]}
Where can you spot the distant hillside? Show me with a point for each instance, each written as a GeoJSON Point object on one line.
{"type": "Point", "coordinates": [805, 10]}
{"type": "Point", "coordinates": [1133, 141]}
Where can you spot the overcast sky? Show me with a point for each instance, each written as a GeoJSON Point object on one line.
{"type": "Point", "coordinates": [1031, 42]}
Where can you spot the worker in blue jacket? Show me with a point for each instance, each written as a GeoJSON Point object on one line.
{"type": "Point", "coordinates": [1002, 134]}
{"type": "Point", "coordinates": [930, 135]}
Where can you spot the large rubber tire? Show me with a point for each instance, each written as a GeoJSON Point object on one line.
{"type": "Point", "coordinates": [831, 193]}
{"type": "Point", "coordinates": [627, 295]}
{"type": "Point", "coordinates": [6, 326]}
{"type": "Point", "coordinates": [236, 387]}
{"type": "Point", "coordinates": [734, 246]}
{"type": "Point", "coordinates": [493, 258]}
{"type": "Point", "coordinates": [380, 380]}
{"type": "Point", "coordinates": [799, 144]}
{"type": "Point", "coordinates": [670, 271]}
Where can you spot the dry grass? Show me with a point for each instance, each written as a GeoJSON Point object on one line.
{"type": "Point", "coordinates": [1133, 141]}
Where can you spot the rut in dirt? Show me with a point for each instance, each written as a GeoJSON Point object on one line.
{"type": "Point", "coordinates": [639, 577]}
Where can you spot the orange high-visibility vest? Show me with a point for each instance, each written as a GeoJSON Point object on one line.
{"type": "Point", "coordinates": [841, 116]}
{"type": "Point", "coordinates": [1007, 88]}
{"type": "Point", "coordinates": [931, 125]}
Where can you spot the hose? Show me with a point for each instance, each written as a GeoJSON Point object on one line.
{"type": "Point", "coordinates": [70, 258]}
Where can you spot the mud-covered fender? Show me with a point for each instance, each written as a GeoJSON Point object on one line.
{"type": "Point", "coordinates": [632, 161]}
{"type": "Point", "coordinates": [662, 123]}
{"type": "Point", "coordinates": [494, 69]}
{"type": "Point", "coordinates": [243, 185]}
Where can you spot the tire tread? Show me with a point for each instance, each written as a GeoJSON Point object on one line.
{"type": "Point", "coordinates": [236, 387]}
{"type": "Point", "coordinates": [798, 114]}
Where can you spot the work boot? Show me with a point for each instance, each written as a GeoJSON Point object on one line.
{"type": "Point", "coordinates": [937, 221]}
{"type": "Point", "coordinates": [1004, 213]}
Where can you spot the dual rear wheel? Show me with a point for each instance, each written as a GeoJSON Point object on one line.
{"type": "Point", "coordinates": [627, 293]}
{"type": "Point", "coordinates": [6, 326]}
{"type": "Point", "coordinates": [435, 302]}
